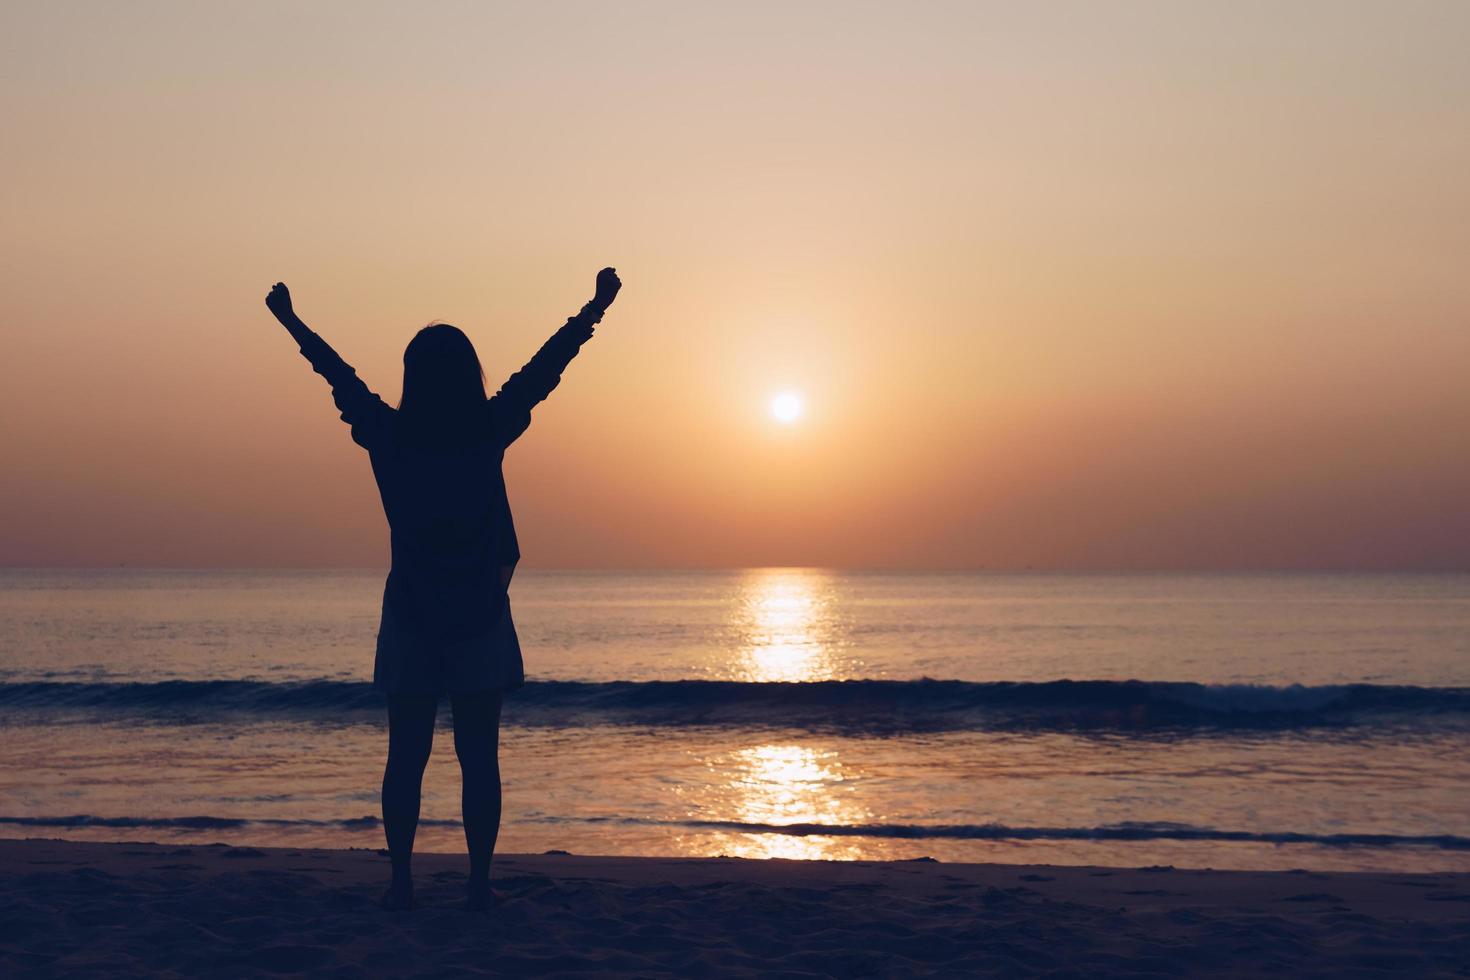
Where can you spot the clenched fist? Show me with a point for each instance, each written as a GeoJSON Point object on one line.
{"type": "Point", "coordinates": [279, 302]}
{"type": "Point", "coordinates": [608, 285]}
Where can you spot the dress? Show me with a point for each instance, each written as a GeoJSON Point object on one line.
{"type": "Point", "coordinates": [446, 625]}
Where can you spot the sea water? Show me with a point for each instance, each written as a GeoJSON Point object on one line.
{"type": "Point", "coordinates": [1228, 721]}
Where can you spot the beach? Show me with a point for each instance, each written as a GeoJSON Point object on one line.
{"type": "Point", "coordinates": [782, 772]}
{"type": "Point", "coordinates": [1013, 522]}
{"type": "Point", "coordinates": [125, 909]}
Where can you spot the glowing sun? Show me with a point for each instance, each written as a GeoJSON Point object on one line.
{"type": "Point", "coordinates": [786, 407]}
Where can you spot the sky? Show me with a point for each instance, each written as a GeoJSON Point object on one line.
{"type": "Point", "coordinates": [1061, 285]}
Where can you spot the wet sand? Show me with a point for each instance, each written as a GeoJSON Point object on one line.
{"type": "Point", "coordinates": [69, 909]}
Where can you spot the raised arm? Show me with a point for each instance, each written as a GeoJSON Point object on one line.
{"type": "Point", "coordinates": [360, 408]}
{"type": "Point", "coordinates": [510, 408]}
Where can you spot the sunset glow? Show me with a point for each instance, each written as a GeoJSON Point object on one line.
{"type": "Point", "coordinates": [1012, 251]}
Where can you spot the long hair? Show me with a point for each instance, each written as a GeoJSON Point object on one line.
{"type": "Point", "coordinates": [443, 383]}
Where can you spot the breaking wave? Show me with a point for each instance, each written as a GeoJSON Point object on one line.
{"type": "Point", "coordinates": [861, 706]}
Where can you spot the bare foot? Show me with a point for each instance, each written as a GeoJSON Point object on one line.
{"type": "Point", "coordinates": [397, 898]}
{"type": "Point", "coordinates": [481, 896]}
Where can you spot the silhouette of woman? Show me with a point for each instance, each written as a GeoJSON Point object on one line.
{"type": "Point", "coordinates": [446, 625]}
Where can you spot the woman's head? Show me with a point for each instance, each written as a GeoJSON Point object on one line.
{"type": "Point", "coordinates": [442, 377]}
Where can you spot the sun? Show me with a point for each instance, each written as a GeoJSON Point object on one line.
{"type": "Point", "coordinates": [787, 407]}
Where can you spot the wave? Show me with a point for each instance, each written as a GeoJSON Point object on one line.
{"type": "Point", "coordinates": [855, 706]}
{"type": "Point", "coordinates": [1132, 831]}
{"type": "Point", "coordinates": [1111, 832]}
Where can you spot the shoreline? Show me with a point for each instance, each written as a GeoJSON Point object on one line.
{"type": "Point", "coordinates": [148, 909]}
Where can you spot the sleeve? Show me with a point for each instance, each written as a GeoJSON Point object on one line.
{"type": "Point", "coordinates": [360, 408]}
{"type": "Point", "coordinates": [510, 408]}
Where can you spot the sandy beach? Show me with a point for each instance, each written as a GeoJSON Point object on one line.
{"type": "Point", "coordinates": [164, 910]}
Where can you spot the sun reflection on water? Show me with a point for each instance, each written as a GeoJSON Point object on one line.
{"type": "Point", "coordinates": [786, 629]}
{"type": "Point", "coordinates": [786, 626]}
{"type": "Point", "coordinates": [780, 785]}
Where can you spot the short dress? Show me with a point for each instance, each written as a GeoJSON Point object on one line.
{"type": "Point", "coordinates": [446, 625]}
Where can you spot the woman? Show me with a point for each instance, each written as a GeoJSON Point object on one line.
{"type": "Point", "coordinates": [446, 626]}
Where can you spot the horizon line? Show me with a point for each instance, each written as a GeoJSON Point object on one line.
{"type": "Point", "coordinates": [874, 569]}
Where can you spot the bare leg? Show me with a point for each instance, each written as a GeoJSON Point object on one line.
{"type": "Point", "coordinates": [477, 743]}
{"type": "Point", "coordinates": [410, 738]}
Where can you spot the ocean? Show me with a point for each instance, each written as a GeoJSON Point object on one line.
{"type": "Point", "coordinates": [1265, 721]}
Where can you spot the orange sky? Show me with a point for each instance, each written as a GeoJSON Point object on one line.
{"type": "Point", "coordinates": [1065, 286]}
